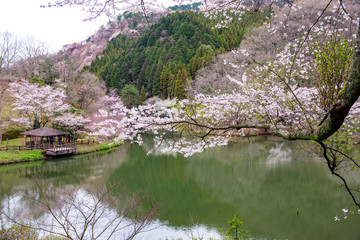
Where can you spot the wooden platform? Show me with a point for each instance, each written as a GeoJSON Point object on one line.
{"type": "Point", "coordinates": [60, 151]}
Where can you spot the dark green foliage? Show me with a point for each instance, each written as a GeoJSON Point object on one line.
{"type": "Point", "coordinates": [234, 232]}
{"type": "Point", "coordinates": [185, 7]}
{"type": "Point", "coordinates": [48, 71]}
{"type": "Point", "coordinates": [180, 84]}
{"type": "Point", "coordinates": [39, 81]}
{"type": "Point", "coordinates": [130, 96]}
{"type": "Point", "coordinates": [167, 56]}
{"type": "Point", "coordinates": [24, 233]}
{"type": "Point", "coordinates": [142, 97]}
{"type": "Point", "coordinates": [156, 84]}
{"type": "Point", "coordinates": [17, 233]}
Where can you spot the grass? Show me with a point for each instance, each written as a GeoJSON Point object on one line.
{"type": "Point", "coordinates": [81, 149]}
{"type": "Point", "coordinates": [13, 142]}
{"type": "Point", "coordinates": [16, 156]}
{"type": "Point", "coordinates": [106, 146]}
{"type": "Point", "coordinates": [93, 147]}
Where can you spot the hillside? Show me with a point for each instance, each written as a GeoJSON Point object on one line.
{"type": "Point", "coordinates": [263, 43]}
{"type": "Point", "coordinates": [167, 56]}
{"type": "Point", "coordinates": [127, 24]}
{"type": "Point", "coordinates": [83, 53]}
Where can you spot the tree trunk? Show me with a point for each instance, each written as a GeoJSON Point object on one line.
{"type": "Point", "coordinates": [335, 118]}
{"type": "Point", "coordinates": [351, 94]}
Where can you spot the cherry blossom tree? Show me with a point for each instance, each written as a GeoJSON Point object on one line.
{"type": "Point", "coordinates": [112, 8]}
{"type": "Point", "coordinates": [108, 122]}
{"type": "Point", "coordinates": [36, 105]}
{"type": "Point", "coordinates": [4, 86]}
{"type": "Point", "coordinates": [309, 91]}
{"type": "Point", "coordinates": [71, 122]}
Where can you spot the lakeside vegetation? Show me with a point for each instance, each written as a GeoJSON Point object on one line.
{"type": "Point", "coordinates": [16, 156]}
{"type": "Point", "coordinates": [20, 156]}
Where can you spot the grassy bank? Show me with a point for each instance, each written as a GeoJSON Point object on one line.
{"type": "Point", "coordinates": [16, 156]}
{"type": "Point", "coordinates": [93, 147]}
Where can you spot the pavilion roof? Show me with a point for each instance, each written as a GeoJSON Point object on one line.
{"type": "Point", "coordinates": [45, 132]}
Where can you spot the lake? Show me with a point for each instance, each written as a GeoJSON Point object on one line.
{"type": "Point", "coordinates": [279, 190]}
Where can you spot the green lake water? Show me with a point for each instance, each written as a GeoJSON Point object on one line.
{"type": "Point", "coordinates": [280, 191]}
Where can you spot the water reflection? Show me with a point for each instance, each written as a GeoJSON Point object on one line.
{"type": "Point", "coordinates": [78, 213]}
{"type": "Point", "coordinates": [280, 192]}
{"type": "Point", "coordinates": [278, 155]}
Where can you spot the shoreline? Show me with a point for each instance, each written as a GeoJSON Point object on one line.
{"type": "Point", "coordinates": [27, 156]}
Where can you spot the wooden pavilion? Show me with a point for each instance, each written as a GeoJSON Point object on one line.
{"type": "Point", "coordinates": [56, 142]}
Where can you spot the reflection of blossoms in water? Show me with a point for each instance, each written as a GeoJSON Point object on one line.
{"type": "Point", "coordinates": [278, 155]}
{"type": "Point", "coordinates": [345, 214]}
{"type": "Point", "coordinates": [105, 221]}
{"type": "Point", "coordinates": [79, 214]}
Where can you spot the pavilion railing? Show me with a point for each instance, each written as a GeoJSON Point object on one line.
{"type": "Point", "coordinates": [48, 145]}
{"type": "Point", "coordinates": [32, 145]}
{"type": "Point", "coordinates": [7, 148]}
{"type": "Point", "coordinates": [39, 146]}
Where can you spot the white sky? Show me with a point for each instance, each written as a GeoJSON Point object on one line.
{"type": "Point", "coordinates": [53, 26]}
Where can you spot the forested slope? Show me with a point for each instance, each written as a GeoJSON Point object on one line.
{"type": "Point", "coordinates": [166, 57]}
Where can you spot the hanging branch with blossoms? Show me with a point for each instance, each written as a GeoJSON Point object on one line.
{"type": "Point", "coordinates": [109, 121]}
{"type": "Point", "coordinates": [112, 8]}
{"type": "Point", "coordinates": [309, 91]}
{"type": "Point", "coordinates": [72, 122]}
{"type": "Point", "coordinates": [292, 95]}
{"type": "Point", "coordinates": [277, 95]}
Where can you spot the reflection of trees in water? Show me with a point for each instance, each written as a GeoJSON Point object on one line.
{"type": "Point", "coordinates": [152, 144]}
{"type": "Point", "coordinates": [85, 169]}
{"type": "Point", "coordinates": [75, 213]}
{"type": "Point", "coordinates": [279, 154]}
{"type": "Point", "coordinates": [166, 178]}
{"type": "Point", "coordinates": [90, 171]}
{"type": "Point", "coordinates": [213, 185]}
{"type": "Point", "coordinates": [238, 175]}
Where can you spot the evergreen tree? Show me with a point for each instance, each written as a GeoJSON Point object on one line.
{"type": "Point", "coordinates": [48, 72]}
{"type": "Point", "coordinates": [142, 97]}
{"type": "Point", "coordinates": [164, 83]}
{"type": "Point", "coordinates": [156, 79]}
{"type": "Point", "coordinates": [180, 86]}
{"type": "Point", "coordinates": [130, 96]}
{"type": "Point", "coordinates": [141, 78]}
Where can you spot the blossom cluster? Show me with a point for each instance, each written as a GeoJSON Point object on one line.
{"type": "Point", "coordinates": [43, 104]}
{"type": "Point", "coordinates": [34, 102]}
